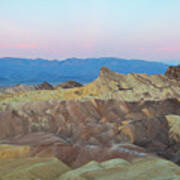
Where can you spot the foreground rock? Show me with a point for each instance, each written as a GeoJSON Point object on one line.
{"type": "Point", "coordinates": [12, 152]}
{"type": "Point", "coordinates": [73, 154]}
{"type": "Point", "coordinates": [118, 169]}
{"type": "Point", "coordinates": [32, 169]}
{"type": "Point", "coordinates": [124, 161]}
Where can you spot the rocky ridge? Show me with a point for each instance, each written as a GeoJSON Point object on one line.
{"type": "Point", "coordinates": [109, 85]}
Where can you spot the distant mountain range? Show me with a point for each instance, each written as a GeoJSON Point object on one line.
{"type": "Point", "coordinates": [28, 71]}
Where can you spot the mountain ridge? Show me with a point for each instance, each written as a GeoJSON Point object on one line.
{"type": "Point", "coordinates": [28, 71]}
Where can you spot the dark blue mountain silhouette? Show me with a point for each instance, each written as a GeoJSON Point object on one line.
{"type": "Point", "coordinates": [28, 71]}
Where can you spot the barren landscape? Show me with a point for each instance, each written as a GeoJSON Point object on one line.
{"type": "Point", "coordinates": [116, 127]}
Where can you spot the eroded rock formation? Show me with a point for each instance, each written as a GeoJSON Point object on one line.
{"type": "Point", "coordinates": [96, 123]}
{"type": "Point", "coordinates": [109, 85]}
{"type": "Point", "coordinates": [118, 169]}
{"type": "Point", "coordinates": [133, 117]}
{"type": "Point", "coordinates": [69, 84]}
{"type": "Point", "coordinates": [173, 72]}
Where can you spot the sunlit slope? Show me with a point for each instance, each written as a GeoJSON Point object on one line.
{"type": "Point", "coordinates": [108, 85]}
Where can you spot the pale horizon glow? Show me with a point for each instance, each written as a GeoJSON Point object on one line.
{"type": "Point", "coordinates": [59, 29]}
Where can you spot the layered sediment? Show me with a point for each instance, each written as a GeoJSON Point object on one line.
{"type": "Point", "coordinates": [116, 126]}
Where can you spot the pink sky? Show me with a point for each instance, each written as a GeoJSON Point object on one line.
{"type": "Point", "coordinates": [56, 29]}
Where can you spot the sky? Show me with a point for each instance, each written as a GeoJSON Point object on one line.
{"type": "Point", "coordinates": [59, 29]}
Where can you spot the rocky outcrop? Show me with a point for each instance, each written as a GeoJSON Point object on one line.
{"type": "Point", "coordinates": [109, 85]}
{"type": "Point", "coordinates": [32, 168]}
{"type": "Point", "coordinates": [131, 87]}
{"type": "Point", "coordinates": [13, 152]}
{"type": "Point", "coordinates": [69, 84]}
{"type": "Point", "coordinates": [118, 169]}
{"type": "Point", "coordinates": [173, 72]}
{"type": "Point", "coordinates": [174, 124]}
{"type": "Point", "coordinates": [44, 86]}
{"type": "Point", "coordinates": [144, 167]}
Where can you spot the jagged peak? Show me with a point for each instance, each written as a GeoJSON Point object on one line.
{"type": "Point", "coordinates": [106, 73]}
